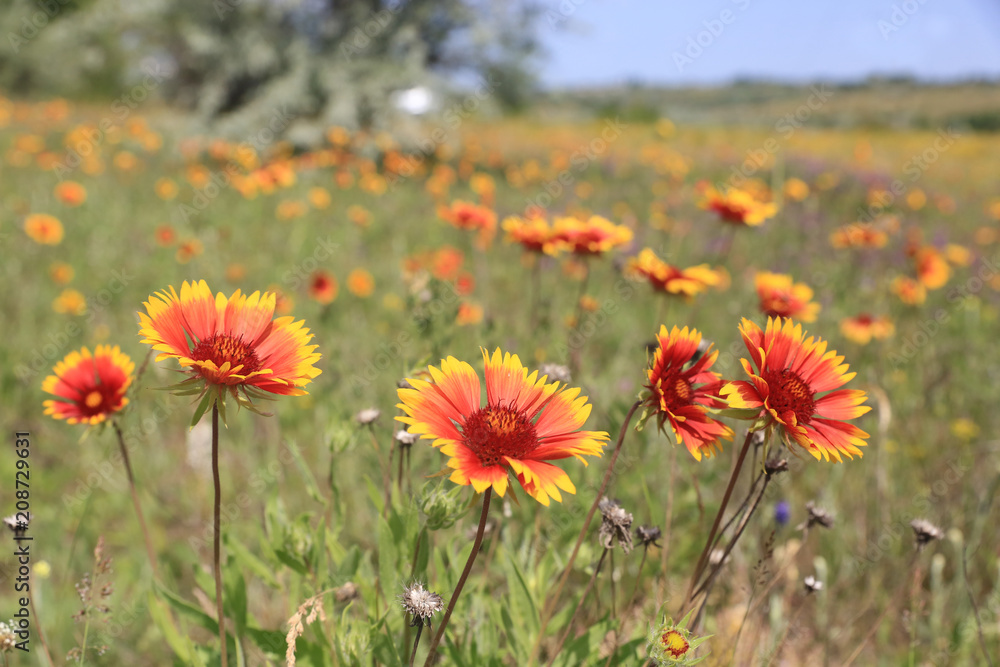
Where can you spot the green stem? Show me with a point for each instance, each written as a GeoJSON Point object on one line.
{"type": "Point", "coordinates": [461, 581]}
{"type": "Point", "coordinates": [579, 605]}
{"type": "Point", "coordinates": [718, 520]}
{"type": "Point", "coordinates": [217, 538]}
{"type": "Point", "coordinates": [135, 499]}
{"type": "Point", "coordinates": [549, 608]}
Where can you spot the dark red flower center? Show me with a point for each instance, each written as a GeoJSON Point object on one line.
{"type": "Point", "coordinates": [787, 392]}
{"type": "Point", "coordinates": [221, 348]}
{"type": "Point", "coordinates": [673, 390]}
{"type": "Point", "coordinates": [496, 431]}
{"type": "Point", "coordinates": [98, 400]}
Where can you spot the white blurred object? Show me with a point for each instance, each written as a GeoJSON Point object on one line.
{"type": "Point", "coordinates": [416, 101]}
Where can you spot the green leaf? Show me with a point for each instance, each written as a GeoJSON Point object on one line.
{"type": "Point", "coordinates": [388, 556]}
{"type": "Point", "coordinates": [312, 488]}
{"type": "Point", "coordinates": [423, 554]}
{"type": "Point", "coordinates": [188, 609]}
{"type": "Point", "coordinates": [375, 494]}
{"type": "Point", "coordinates": [235, 601]}
{"type": "Point", "coordinates": [205, 404]}
{"type": "Point", "coordinates": [239, 552]}
{"type": "Point", "coordinates": [161, 617]}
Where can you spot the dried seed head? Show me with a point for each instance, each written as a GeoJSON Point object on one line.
{"type": "Point", "coordinates": [716, 556]}
{"type": "Point", "coordinates": [8, 640]}
{"type": "Point", "coordinates": [758, 439]}
{"type": "Point", "coordinates": [348, 591]}
{"type": "Point", "coordinates": [405, 438]}
{"type": "Point", "coordinates": [420, 603]}
{"type": "Point", "coordinates": [776, 465]}
{"type": "Point", "coordinates": [812, 584]}
{"type": "Point", "coordinates": [648, 535]}
{"type": "Point", "coordinates": [404, 384]}
{"type": "Point", "coordinates": [702, 349]}
{"type": "Point", "coordinates": [368, 415]}
{"type": "Point", "coordinates": [556, 372]}
{"type": "Point", "coordinates": [17, 523]}
{"type": "Point", "coordinates": [925, 532]}
{"type": "Point", "coordinates": [817, 515]}
{"type": "Point", "coordinates": [616, 524]}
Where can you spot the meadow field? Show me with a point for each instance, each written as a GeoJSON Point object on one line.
{"type": "Point", "coordinates": [549, 240]}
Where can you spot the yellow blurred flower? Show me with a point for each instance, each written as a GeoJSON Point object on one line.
{"type": "Point", "coordinates": [964, 429]}
{"type": "Point", "coordinates": [469, 313]}
{"type": "Point", "coordinates": [166, 189]}
{"type": "Point", "coordinates": [188, 250]}
{"type": "Point", "coordinates": [70, 193]}
{"type": "Point", "coordinates": [319, 197]}
{"type": "Point", "coordinates": [796, 189]}
{"type": "Point", "coordinates": [70, 302]}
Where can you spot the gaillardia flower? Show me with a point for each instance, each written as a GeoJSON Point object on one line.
{"type": "Point", "coordinates": [738, 207]}
{"type": "Point", "coordinates": [88, 387]}
{"type": "Point", "coordinates": [670, 279]}
{"type": "Point", "coordinates": [524, 424]}
{"type": "Point", "coordinates": [788, 375]}
{"type": "Point", "coordinates": [230, 343]}
{"type": "Point", "coordinates": [680, 391]}
{"type": "Point", "coordinates": [781, 297]}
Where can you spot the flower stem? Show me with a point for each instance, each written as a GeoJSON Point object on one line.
{"type": "Point", "coordinates": [549, 608]}
{"type": "Point", "coordinates": [579, 605]}
{"type": "Point", "coordinates": [38, 623]}
{"type": "Point", "coordinates": [416, 642]}
{"type": "Point", "coordinates": [718, 520]}
{"type": "Point", "coordinates": [135, 499]}
{"type": "Point", "coordinates": [461, 581]}
{"type": "Point", "coordinates": [217, 541]}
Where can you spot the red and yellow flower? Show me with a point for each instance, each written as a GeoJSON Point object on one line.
{"type": "Point", "coordinates": [780, 296]}
{"type": "Point", "coordinates": [932, 268]}
{"type": "Point", "coordinates": [534, 233]}
{"type": "Point", "coordinates": [911, 292]}
{"type": "Point", "coordinates": [44, 228]}
{"type": "Point", "coordinates": [671, 279]}
{"type": "Point", "coordinates": [860, 235]}
{"type": "Point", "coordinates": [593, 236]}
{"type": "Point", "coordinates": [323, 287]}
{"type": "Point", "coordinates": [788, 374]}
{"type": "Point", "coordinates": [682, 388]}
{"type": "Point", "coordinates": [524, 424]}
{"type": "Point", "coordinates": [360, 283]}
{"type": "Point", "coordinates": [469, 216]}
{"type": "Point", "coordinates": [737, 207]}
{"type": "Point", "coordinates": [862, 328]}
{"type": "Point", "coordinates": [230, 343]}
{"type": "Point", "coordinates": [70, 193]}
{"type": "Point", "coordinates": [89, 387]}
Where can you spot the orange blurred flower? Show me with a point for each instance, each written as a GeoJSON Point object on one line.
{"type": "Point", "coordinates": [593, 236]}
{"type": "Point", "coordinates": [188, 250]}
{"type": "Point", "coordinates": [359, 215]}
{"type": "Point", "coordinates": [469, 313]}
{"type": "Point", "coordinates": [165, 236]}
{"type": "Point", "coordinates": [70, 193]}
{"type": "Point", "coordinates": [796, 189]}
{"type": "Point", "coordinates": [533, 233]}
{"type": "Point", "coordinates": [469, 216]}
{"type": "Point", "coordinates": [781, 297]}
{"type": "Point", "coordinates": [861, 329]}
{"type": "Point", "coordinates": [360, 283]}
{"type": "Point", "coordinates": [909, 291]}
{"type": "Point", "coordinates": [166, 189]}
{"type": "Point", "coordinates": [323, 287]}
{"type": "Point", "coordinates": [932, 268]}
{"type": "Point", "coordinates": [859, 235]}
{"type": "Point", "coordinates": [737, 206]}
{"type": "Point", "coordinates": [319, 197]}
{"type": "Point", "coordinates": [44, 228]}
{"type": "Point", "coordinates": [670, 279]}
{"type": "Point", "coordinates": [61, 273]}
{"type": "Point", "coordinates": [290, 209]}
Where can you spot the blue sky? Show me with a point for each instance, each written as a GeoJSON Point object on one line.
{"type": "Point", "coordinates": [612, 41]}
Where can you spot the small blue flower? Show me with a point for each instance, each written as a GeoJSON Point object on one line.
{"type": "Point", "coordinates": [782, 512]}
